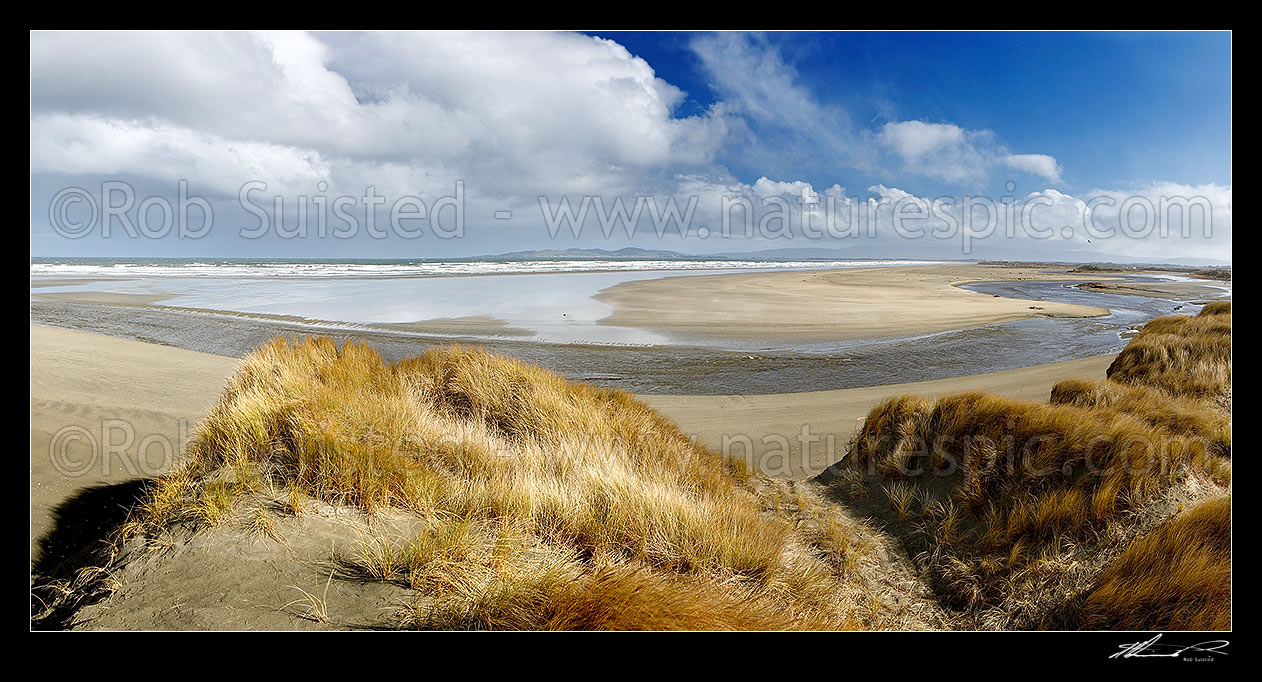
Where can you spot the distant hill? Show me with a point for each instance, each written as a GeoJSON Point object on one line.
{"type": "Point", "coordinates": [861, 252]}
{"type": "Point", "coordinates": [627, 253]}
{"type": "Point", "coordinates": [800, 253]}
{"type": "Point", "coordinates": [635, 253]}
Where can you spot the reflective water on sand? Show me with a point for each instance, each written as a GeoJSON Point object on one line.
{"type": "Point", "coordinates": [556, 308]}
{"type": "Point", "coordinates": [696, 370]}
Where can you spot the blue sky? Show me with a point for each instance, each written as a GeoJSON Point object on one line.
{"type": "Point", "coordinates": [1062, 118]}
{"type": "Point", "coordinates": [1113, 108]}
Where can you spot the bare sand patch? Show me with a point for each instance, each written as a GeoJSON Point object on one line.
{"type": "Point", "coordinates": [88, 387]}
{"type": "Point", "coordinates": [1177, 290]}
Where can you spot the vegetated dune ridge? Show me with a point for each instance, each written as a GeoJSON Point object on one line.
{"type": "Point", "coordinates": [328, 488]}
{"type": "Point", "coordinates": [1183, 356]}
{"type": "Point", "coordinates": [766, 430]}
{"type": "Point", "coordinates": [1178, 577]}
{"type": "Point", "coordinates": [1073, 513]}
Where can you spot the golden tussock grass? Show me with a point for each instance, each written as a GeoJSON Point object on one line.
{"type": "Point", "coordinates": [544, 503]}
{"type": "Point", "coordinates": [997, 496]}
{"type": "Point", "coordinates": [1030, 470]}
{"type": "Point", "coordinates": [1215, 308]}
{"type": "Point", "coordinates": [1176, 578]}
{"type": "Point", "coordinates": [1166, 413]}
{"type": "Point", "coordinates": [1184, 356]}
{"type": "Point", "coordinates": [563, 596]}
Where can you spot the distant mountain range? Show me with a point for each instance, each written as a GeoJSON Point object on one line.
{"type": "Point", "coordinates": [628, 253]}
{"type": "Point", "coordinates": [635, 253]}
{"type": "Point", "coordinates": [1067, 256]}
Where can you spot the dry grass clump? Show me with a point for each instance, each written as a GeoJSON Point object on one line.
{"type": "Point", "coordinates": [542, 503]}
{"type": "Point", "coordinates": [1175, 578]}
{"type": "Point", "coordinates": [1215, 308]}
{"type": "Point", "coordinates": [1160, 410]}
{"type": "Point", "coordinates": [1181, 355]}
{"type": "Point", "coordinates": [563, 596]}
{"type": "Point", "coordinates": [994, 494]}
{"type": "Point", "coordinates": [1009, 504]}
{"type": "Point", "coordinates": [1031, 470]}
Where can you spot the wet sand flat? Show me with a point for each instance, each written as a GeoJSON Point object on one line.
{"type": "Point", "coordinates": [735, 310]}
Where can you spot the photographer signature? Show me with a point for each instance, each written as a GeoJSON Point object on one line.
{"type": "Point", "coordinates": [1152, 649]}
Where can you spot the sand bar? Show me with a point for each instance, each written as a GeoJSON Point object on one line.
{"type": "Point", "coordinates": [827, 305]}
{"type": "Point", "coordinates": [1168, 290]}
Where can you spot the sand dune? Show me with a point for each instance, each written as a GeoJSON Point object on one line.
{"type": "Point", "coordinates": [86, 386]}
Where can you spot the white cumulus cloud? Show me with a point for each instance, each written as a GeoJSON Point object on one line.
{"type": "Point", "coordinates": [1042, 165]}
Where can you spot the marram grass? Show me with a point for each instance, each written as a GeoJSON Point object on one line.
{"type": "Point", "coordinates": [1000, 498]}
{"type": "Point", "coordinates": [1176, 578]}
{"type": "Point", "coordinates": [1183, 356]}
{"type": "Point", "coordinates": [545, 504]}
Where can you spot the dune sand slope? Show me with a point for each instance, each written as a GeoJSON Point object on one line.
{"type": "Point", "coordinates": [96, 401]}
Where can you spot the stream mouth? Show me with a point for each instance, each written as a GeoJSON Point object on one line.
{"type": "Point", "coordinates": [694, 370]}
